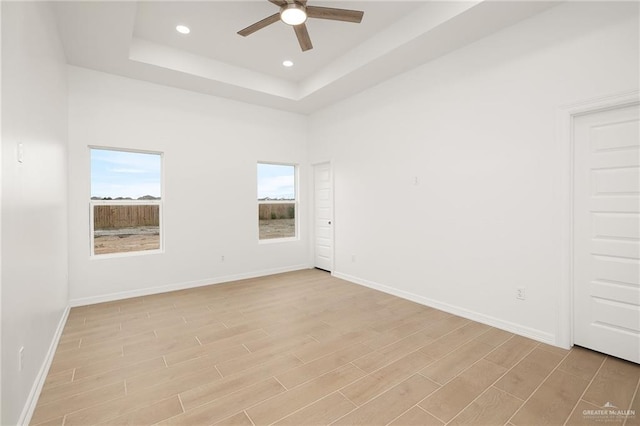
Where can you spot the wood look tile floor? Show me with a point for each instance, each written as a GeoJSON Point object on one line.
{"type": "Point", "coordinates": [304, 348]}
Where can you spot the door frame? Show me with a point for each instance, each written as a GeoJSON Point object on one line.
{"type": "Point", "coordinates": [566, 117]}
{"type": "Point", "coordinates": [333, 215]}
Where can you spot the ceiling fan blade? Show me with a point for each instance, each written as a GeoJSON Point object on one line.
{"type": "Point", "coordinates": [279, 2]}
{"type": "Point", "coordinates": [259, 25]}
{"type": "Point", "coordinates": [345, 15]}
{"type": "Point", "coordinates": [303, 37]}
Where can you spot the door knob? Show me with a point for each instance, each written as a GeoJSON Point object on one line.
{"type": "Point", "coordinates": [329, 222]}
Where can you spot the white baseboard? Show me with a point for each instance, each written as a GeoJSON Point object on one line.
{"type": "Point", "coordinates": [32, 399]}
{"type": "Point", "coordinates": [83, 301]}
{"type": "Point", "coordinates": [531, 333]}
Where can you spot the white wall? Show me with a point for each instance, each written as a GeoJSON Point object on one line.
{"type": "Point", "coordinates": [211, 147]}
{"type": "Point", "coordinates": [478, 129]}
{"type": "Point", "coordinates": [34, 198]}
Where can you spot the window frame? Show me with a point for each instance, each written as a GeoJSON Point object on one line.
{"type": "Point", "coordinates": [295, 202]}
{"type": "Point", "coordinates": [94, 203]}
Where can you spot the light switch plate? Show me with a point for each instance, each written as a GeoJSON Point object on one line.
{"type": "Point", "coordinates": [20, 152]}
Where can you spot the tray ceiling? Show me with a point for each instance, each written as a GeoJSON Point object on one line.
{"type": "Point", "coordinates": [139, 40]}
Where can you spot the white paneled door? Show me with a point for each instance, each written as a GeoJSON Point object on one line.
{"type": "Point", "coordinates": [323, 216]}
{"type": "Point", "coordinates": [607, 232]}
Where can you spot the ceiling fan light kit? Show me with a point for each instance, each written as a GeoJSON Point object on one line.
{"type": "Point", "coordinates": [296, 12]}
{"type": "Point", "coordinates": [293, 14]}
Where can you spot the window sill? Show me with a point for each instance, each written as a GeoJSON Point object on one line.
{"type": "Point", "coordinates": [278, 240]}
{"type": "Point", "coordinates": [125, 254]}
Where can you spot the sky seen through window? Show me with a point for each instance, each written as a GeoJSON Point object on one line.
{"type": "Point", "coordinates": [276, 181]}
{"type": "Point", "coordinates": [125, 174]}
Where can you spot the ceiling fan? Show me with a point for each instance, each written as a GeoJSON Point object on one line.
{"type": "Point", "coordinates": [296, 12]}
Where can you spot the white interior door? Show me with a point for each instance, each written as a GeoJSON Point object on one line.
{"type": "Point", "coordinates": [607, 232]}
{"type": "Point", "coordinates": [323, 216]}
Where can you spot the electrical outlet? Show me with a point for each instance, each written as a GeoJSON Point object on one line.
{"type": "Point", "coordinates": [521, 293]}
{"type": "Point", "coordinates": [222, 258]}
{"type": "Point", "coordinates": [20, 358]}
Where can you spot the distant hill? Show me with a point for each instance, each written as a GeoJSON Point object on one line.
{"type": "Point", "coordinates": [144, 197]}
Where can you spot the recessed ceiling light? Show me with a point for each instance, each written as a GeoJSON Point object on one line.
{"type": "Point", "coordinates": [183, 29]}
{"type": "Point", "coordinates": [287, 63]}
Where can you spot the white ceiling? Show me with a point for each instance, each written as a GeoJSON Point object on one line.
{"type": "Point", "coordinates": [214, 26]}
{"type": "Point", "coordinates": [139, 40]}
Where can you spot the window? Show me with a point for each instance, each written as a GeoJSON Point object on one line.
{"type": "Point", "coordinates": [277, 201]}
{"type": "Point", "coordinates": [126, 201]}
